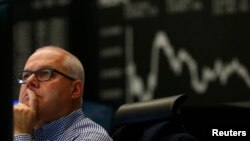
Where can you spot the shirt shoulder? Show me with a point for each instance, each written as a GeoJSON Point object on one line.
{"type": "Point", "coordinates": [86, 129]}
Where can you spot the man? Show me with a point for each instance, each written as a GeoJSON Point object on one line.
{"type": "Point", "coordinates": [50, 100]}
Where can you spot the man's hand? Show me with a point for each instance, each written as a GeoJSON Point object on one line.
{"type": "Point", "coordinates": [25, 114]}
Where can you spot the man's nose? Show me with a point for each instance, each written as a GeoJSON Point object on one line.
{"type": "Point", "coordinates": [32, 81]}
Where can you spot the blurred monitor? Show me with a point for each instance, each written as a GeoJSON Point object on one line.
{"type": "Point", "coordinates": [101, 113]}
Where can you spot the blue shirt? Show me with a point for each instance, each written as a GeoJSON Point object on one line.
{"type": "Point", "coordinates": [73, 127]}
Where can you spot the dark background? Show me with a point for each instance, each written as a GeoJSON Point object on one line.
{"type": "Point", "coordinates": [6, 57]}
{"type": "Point", "coordinates": [208, 32]}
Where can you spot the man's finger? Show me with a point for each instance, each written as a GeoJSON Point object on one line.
{"type": "Point", "coordinates": [32, 103]}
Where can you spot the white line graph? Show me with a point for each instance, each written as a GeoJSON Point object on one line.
{"type": "Point", "coordinates": [145, 91]}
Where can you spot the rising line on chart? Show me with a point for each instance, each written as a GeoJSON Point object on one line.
{"type": "Point", "coordinates": [135, 84]}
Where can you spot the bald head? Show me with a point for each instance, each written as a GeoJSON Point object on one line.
{"type": "Point", "coordinates": [71, 63]}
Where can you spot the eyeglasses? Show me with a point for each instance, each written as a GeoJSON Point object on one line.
{"type": "Point", "coordinates": [43, 74]}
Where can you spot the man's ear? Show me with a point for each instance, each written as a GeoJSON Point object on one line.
{"type": "Point", "coordinates": [77, 89]}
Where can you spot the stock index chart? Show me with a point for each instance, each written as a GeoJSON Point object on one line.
{"type": "Point", "coordinates": [151, 49]}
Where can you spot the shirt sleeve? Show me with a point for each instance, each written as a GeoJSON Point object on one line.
{"type": "Point", "coordinates": [22, 137]}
